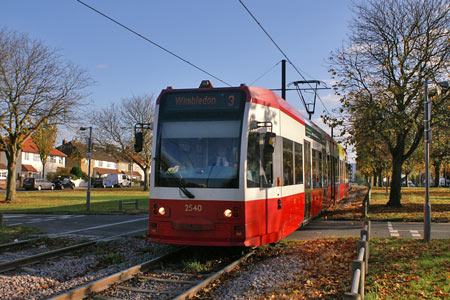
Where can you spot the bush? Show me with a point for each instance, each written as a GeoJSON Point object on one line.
{"type": "Point", "coordinates": [76, 170]}
{"type": "Point", "coordinates": [60, 172]}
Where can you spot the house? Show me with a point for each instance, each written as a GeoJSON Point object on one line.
{"type": "Point", "coordinates": [102, 161]}
{"type": "Point", "coordinates": [29, 163]}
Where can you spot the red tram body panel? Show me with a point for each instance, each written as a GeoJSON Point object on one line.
{"type": "Point", "coordinates": [237, 167]}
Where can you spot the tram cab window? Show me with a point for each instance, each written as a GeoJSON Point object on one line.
{"type": "Point", "coordinates": [188, 153]}
{"type": "Point", "coordinates": [259, 162]}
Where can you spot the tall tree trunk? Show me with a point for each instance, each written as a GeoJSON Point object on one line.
{"type": "Point", "coordinates": [380, 177]}
{"type": "Point", "coordinates": [146, 178]}
{"type": "Point", "coordinates": [395, 197]}
{"type": "Point", "coordinates": [43, 169]}
{"type": "Point", "coordinates": [375, 178]}
{"type": "Point", "coordinates": [437, 174]}
{"type": "Point", "coordinates": [11, 179]}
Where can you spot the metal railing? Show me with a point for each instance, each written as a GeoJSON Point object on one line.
{"type": "Point", "coordinates": [360, 266]}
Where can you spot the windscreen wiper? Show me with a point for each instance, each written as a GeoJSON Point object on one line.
{"type": "Point", "coordinates": [179, 181]}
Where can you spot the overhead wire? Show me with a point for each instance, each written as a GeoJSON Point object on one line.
{"type": "Point", "coordinates": [279, 49]}
{"type": "Point", "coordinates": [152, 42]}
{"type": "Point", "coordinates": [265, 73]}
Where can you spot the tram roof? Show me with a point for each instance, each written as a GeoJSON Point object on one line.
{"type": "Point", "coordinates": [256, 95]}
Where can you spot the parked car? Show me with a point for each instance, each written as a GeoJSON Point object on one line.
{"type": "Point", "coordinates": [117, 180]}
{"type": "Point", "coordinates": [37, 184]}
{"type": "Point", "coordinates": [99, 183]}
{"type": "Point", "coordinates": [410, 183]}
{"type": "Point", "coordinates": [62, 183]}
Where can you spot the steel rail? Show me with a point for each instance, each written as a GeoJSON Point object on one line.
{"type": "Point", "coordinates": [103, 283]}
{"type": "Point", "coordinates": [195, 289]}
{"type": "Point", "coordinates": [11, 265]}
{"type": "Point", "coordinates": [12, 244]}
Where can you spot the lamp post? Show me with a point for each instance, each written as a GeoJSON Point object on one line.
{"type": "Point", "coordinates": [427, 135]}
{"type": "Point", "coordinates": [88, 156]}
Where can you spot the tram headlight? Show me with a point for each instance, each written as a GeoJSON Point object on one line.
{"type": "Point", "coordinates": [228, 213]}
{"type": "Point", "coordinates": [162, 211]}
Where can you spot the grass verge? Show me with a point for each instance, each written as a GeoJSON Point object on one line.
{"type": "Point", "coordinates": [408, 269]}
{"type": "Point", "coordinates": [413, 199]}
{"type": "Point", "coordinates": [10, 233]}
{"type": "Point", "coordinates": [74, 201]}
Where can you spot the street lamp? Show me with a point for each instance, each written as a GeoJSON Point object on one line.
{"type": "Point", "coordinates": [427, 134]}
{"type": "Point", "coordinates": [88, 156]}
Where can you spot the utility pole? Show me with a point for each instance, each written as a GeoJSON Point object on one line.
{"type": "Point", "coordinates": [88, 155]}
{"type": "Point", "coordinates": [427, 207]}
{"type": "Point", "coordinates": [283, 79]}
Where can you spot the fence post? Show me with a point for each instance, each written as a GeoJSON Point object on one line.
{"type": "Point", "coordinates": [356, 264]}
{"type": "Point", "coordinates": [365, 245]}
{"type": "Point", "coordinates": [1, 219]}
{"type": "Point", "coordinates": [352, 296]}
{"type": "Point", "coordinates": [137, 204]}
{"type": "Point", "coordinates": [120, 205]}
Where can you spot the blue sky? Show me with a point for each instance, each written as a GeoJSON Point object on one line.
{"type": "Point", "coordinates": [218, 36]}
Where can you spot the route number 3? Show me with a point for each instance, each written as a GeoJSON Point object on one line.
{"type": "Point", "coordinates": [193, 207]}
{"type": "Point", "coordinates": [231, 102]}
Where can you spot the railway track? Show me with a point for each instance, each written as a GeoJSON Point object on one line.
{"type": "Point", "coordinates": [32, 259]}
{"type": "Point", "coordinates": [17, 263]}
{"type": "Point", "coordinates": [160, 278]}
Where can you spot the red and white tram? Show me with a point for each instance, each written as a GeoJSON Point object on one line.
{"type": "Point", "coordinates": [237, 167]}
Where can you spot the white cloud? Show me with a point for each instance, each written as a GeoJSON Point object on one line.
{"type": "Point", "coordinates": [331, 100]}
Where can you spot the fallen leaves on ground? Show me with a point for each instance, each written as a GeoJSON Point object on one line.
{"type": "Point", "coordinates": [326, 274]}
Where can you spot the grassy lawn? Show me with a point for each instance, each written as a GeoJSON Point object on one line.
{"type": "Point", "coordinates": [74, 201]}
{"type": "Point", "coordinates": [9, 233]}
{"type": "Point", "coordinates": [413, 199]}
{"type": "Point", "coordinates": [408, 269]}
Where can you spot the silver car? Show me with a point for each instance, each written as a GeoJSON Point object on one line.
{"type": "Point", "coordinates": [37, 184]}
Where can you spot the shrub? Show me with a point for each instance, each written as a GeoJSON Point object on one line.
{"type": "Point", "coordinates": [76, 170]}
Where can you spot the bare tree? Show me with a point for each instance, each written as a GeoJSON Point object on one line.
{"type": "Point", "coordinates": [44, 138]}
{"type": "Point", "coordinates": [113, 127]}
{"type": "Point", "coordinates": [394, 46]}
{"type": "Point", "coordinates": [35, 86]}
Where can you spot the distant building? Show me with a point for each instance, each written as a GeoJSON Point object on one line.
{"type": "Point", "coordinates": [29, 163]}
{"type": "Point", "coordinates": [102, 161]}
{"type": "Point", "coordinates": [351, 172]}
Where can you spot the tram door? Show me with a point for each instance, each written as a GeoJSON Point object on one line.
{"type": "Point", "coordinates": [308, 183]}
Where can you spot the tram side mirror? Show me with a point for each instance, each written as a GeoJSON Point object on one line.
{"type": "Point", "coordinates": [269, 140]}
{"type": "Point", "coordinates": [138, 141]}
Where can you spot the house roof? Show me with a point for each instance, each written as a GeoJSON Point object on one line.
{"type": "Point", "coordinates": [28, 168]}
{"type": "Point", "coordinates": [104, 171]}
{"type": "Point", "coordinates": [30, 146]}
{"type": "Point", "coordinates": [3, 166]}
{"type": "Point", "coordinates": [134, 173]}
{"type": "Point", "coordinates": [77, 149]}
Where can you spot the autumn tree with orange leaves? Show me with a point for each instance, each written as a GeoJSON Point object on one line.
{"type": "Point", "coordinates": [393, 47]}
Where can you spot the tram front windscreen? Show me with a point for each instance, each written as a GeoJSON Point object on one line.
{"type": "Point", "coordinates": [198, 139]}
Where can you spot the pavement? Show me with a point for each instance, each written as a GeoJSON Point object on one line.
{"type": "Point", "coordinates": [98, 226]}
{"type": "Point", "coordinates": [331, 228]}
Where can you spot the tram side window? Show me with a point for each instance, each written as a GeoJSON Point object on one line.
{"type": "Point", "coordinates": [317, 168]}
{"type": "Point", "coordinates": [325, 168]}
{"type": "Point", "coordinates": [298, 163]}
{"type": "Point", "coordinates": [258, 175]}
{"type": "Point", "coordinates": [288, 162]}
{"type": "Point", "coordinates": [253, 160]}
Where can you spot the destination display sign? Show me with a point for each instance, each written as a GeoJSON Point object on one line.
{"type": "Point", "coordinates": [202, 101]}
{"type": "Point", "coordinates": [314, 134]}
